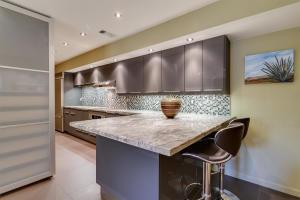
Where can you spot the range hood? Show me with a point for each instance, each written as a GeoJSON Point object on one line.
{"type": "Point", "coordinates": [106, 84]}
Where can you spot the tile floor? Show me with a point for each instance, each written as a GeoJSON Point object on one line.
{"type": "Point", "coordinates": [75, 177]}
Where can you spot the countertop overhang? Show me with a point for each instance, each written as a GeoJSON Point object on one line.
{"type": "Point", "coordinates": [152, 131]}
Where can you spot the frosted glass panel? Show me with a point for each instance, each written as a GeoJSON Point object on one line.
{"type": "Point", "coordinates": [26, 101]}
{"type": "Point", "coordinates": [20, 82]}
{"type": "Point", "coordinates": [22, 130]}
{"type": "Point", "coordinates": [23, 116]}
{"type": "Point", "coordinates": [24, 41]}
{"type": "Point", "coordinates": [26, 171]}
{"type": "Point", "coordinates": [17, 160]}
{"type": "Point", "coordinates": [23, 148]}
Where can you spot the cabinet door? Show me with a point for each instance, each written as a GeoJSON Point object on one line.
{"type": "Point", "coordinates": [78, 79]}
{"type": "Point", "coordinates": [107, 72]}
{"type": "Point", "coordinates": [67, 120]}
{"type": "Point", "coordinates": [216, 64]}
{"type": "Point", "coordinates": [85, 77]}
{"type": "Point", "coordinates": [173, 70]}
{"type": "Point", "coordinates": [193, 67]}
{"type": "Point", "coordinates": [130, 76]}
{"type": "Point", "coordinates": [152, 73]}
{"type": "Point", "coordinates": [93, 76]}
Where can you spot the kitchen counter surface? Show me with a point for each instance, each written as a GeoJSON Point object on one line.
{"type": "Point", "coordinates": [152, 131]}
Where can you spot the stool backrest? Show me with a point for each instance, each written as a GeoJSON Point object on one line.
{"type": "Point", "coordinates": [230, 138]}
{"type": "Point", "coordinates": [244, 121]}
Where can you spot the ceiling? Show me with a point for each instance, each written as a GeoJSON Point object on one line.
{"type": "Point", "coordinates": [71, 17]}
{"type": "Point", "coordinates": [267, 22]}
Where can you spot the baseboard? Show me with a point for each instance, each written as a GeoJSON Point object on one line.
{"type": "Point", "coordinates": [264, 183]}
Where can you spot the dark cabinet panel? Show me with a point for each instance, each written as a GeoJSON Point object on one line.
{"type": "Point", "coordinates": [173, 70]}
{"type": "Point", "coordinates": [152, 73]}
{"type": "Point", "coordinates": [107, 72]}
{"type": "Point", "coordinates": [84, 77]}
{"type": "Point", "coordinates": [130, 76]}
{"type": "Point", "coordinates": [193, 67]}
{"type": "Point", "coordinates": [79, 79]}
{"type": "Point", "coordinates": [93, 76]}
{"type": "Point", "coordinates": [216, 64]}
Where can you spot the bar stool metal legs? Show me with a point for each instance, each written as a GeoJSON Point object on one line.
{"type": "Point", "coordinates": [206, 192]}
{"type": "Point", "coordinates": [225, 194]}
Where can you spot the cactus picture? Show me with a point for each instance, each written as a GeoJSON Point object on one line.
{"type": "Point", "coordinates": [277, 66]}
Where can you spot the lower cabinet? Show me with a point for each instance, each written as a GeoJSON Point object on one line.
{"type": "Point", "coordinates": [72, 115]}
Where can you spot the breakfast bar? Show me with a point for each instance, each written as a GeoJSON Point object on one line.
{"type": "Point", "coordinates": [133, 151]}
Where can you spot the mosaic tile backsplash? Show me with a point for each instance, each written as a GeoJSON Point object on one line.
{"type": "Point", "coordinates": [201, 104]}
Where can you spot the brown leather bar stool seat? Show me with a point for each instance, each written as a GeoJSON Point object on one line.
{"type": "Point", "coordinates": [221, 149]}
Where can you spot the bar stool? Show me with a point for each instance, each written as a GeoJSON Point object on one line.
{"type": "Point", "coordinates": [226, 194]}
{"type": "Point", "coordinates": [221, 149]}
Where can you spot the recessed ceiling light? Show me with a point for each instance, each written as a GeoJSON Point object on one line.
{"type": "Point", "coordinates": [150, 50]}
{"type": "Point", "coordinates": [118, 15]}
{"type": "Point", "coordinates": [115, 60]}
{"type": "Point", "coordinates": [65, 44]}
{"type": "Point", "coordinates": [190, 39]}
{"type": "Point", "coordinates": [83, 34]}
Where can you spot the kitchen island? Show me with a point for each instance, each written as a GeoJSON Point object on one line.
{"type": "Point", "coordinates": [136, 154]}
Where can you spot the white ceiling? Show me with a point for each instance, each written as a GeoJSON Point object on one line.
{"type": "Point", "coordinates": [74, 16]}
{"type": "Point", "coordinates": [271, 21]}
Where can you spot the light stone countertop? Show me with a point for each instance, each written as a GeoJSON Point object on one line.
{"type": "Point", "coordinates": [153, 131]}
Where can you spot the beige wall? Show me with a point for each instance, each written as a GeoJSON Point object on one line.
{"type": "Point", "coordinates": [271, 153]}
{"type": "Point", "coordinates": [218, 13]}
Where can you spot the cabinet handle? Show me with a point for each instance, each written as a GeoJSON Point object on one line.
{"type": "Point", "coordinates": [134, 92]}
{"type": "Point", "coordinates": [73, 114]}
{"type": "Point", "coordinates": [67, 113]}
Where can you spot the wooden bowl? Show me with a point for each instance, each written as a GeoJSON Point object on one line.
{"type": "Point", "coordinates": [170, 107]}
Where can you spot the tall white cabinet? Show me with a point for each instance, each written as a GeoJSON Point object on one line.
{"type": "Point", "coordinates": [26, 97]}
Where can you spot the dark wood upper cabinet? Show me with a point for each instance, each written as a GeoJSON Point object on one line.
{"type": "Point", "coordinates": [130, 76]}
{"type": "Point", "coordinates": [216, 65]}
{"type": "Point", "coordinates": [193, 67]}
{"type": "Point", "coordinates": [152, 73]}
{"type": "Point", "coordinates": [173, 70]}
